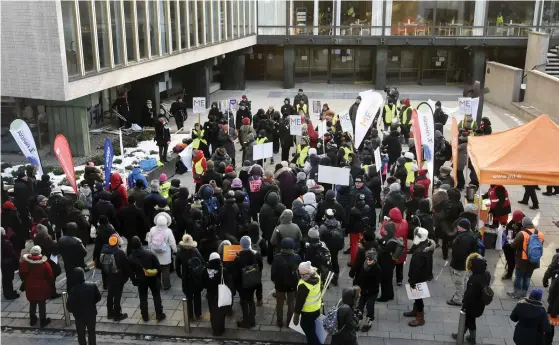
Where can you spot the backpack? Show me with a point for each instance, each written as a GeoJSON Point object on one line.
{"type": "Point", "coordinates": [210, 210]}
{"type": "Point", "coordinates": [336, 238]}
{"type": "Point", "coordinates": [108, 263]}
{"type": "Point", "coordinates": [330, 321]}
{"type": "Point", "coordinates": [196, 269]}
{"type": "Point", "coordinates": [400, 249]}
{"type": "Point", "coordinates": [534, 249]}
{"type": "Point", "coordinates": [158, 243]}
{"type": "Point", "coordinates": [34, 228]}
{"type": "Point", "coordinates": [252, 276]}
{"type": "Point", "coordinates": [487, 294]}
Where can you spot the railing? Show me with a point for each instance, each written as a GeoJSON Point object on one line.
{"type": "Point", "coordinates": [413, 29]}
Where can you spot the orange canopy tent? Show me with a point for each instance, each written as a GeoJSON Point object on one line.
{"type": "Point", "coordinates": [524, 155]}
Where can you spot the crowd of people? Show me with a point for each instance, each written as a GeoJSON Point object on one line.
{"type": "Point", "coordinates": [282, 215]}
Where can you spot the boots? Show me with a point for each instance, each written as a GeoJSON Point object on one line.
{"type": "Point", "coordinates": [419, 320]}
{"type": "Point", "coordinates": [33, 320]}
{"type": "Point", "coordinates": [335, 280]}
{"type": "Point", "coordinates": [368, 324]}
{"type": "Point", "coordinates": [412, 313]}
{"type": "Point", "coordinates": [472, 337]}
{"type": "Point", "coordinates": [44, 322]}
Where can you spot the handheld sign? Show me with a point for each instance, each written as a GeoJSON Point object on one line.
{"type": "Point", "coordinates": [345, 121]}
{"type": "Point", "coordinates": [419, 291]}
{"type": "Point", "coordinates": [295, 125]}
{"type": "Point", "coordinates": [465, 105]}
{"type": "Point", "coordinates": [230, 252]}
{"type": "Point", "coordinates": [233, 105]}
{"type": "Point", "coordinates": [316, 107]}
{"type": "Point", "coordinates": [198, 105]}
{"type": "Point", "coordinates": [332, 175]}
{"type": "Point", "coordinates": [262, 151]}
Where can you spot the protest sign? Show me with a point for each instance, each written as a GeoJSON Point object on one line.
{"type": "Point", "coordinates": [295, 125]}
{"type": "Point", "coordinates": [420, 291]}
{"type": "Point", "coordinates": [333, 175]}
{"type": "Point", "coordinates": [262, 151]}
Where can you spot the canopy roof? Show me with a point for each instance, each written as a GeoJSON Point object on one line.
{"type": "Point", "coordinates": [524, 155]}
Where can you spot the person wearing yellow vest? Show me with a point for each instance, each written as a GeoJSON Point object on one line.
{"type": "Point", "coordinates": [262, 139]}
{"type": "Point", "coordinates": [308, 301]}
{"type": "Point", "coordinates": [302, 152]}
{"type": "Point", "coordinates": [411, 168]}
{"type": "Point", "coordinates": [199, 141]}
{"type": "Point", "coordinates": [524, 267]}
{"type": "Point", "coordinates": [198, 167]}
{"type": "Point", "coordinates": [302, 106]}
{"type": "Point", "coordinates": [164, 185]}
{"type": "Point", "coordinates": [500, 20]}
{"type": "Point", "coordinates": [405, 120]}
{"type": "Point", "coordinates": [388, 114]}
{"type": "Point", "coordinates": [344, 152]}
{"type": "Point", "coordinates": [468, 124]}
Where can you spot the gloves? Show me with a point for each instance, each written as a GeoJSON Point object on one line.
{"type": "Point", "coordinates": [296, 319]}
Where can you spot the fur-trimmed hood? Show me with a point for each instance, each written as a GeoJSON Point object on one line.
{"type": "Point", "coordinates": [280, 171]}
{"type": "Point", "coordinates": [34, 259]}
{"type": "Point", "coordinates": [469, 260]}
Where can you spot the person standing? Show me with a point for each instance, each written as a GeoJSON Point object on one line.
{"type": "Point", "coordinates": [248, 273]}
{"type": "Point", "coordinates": [134, 222]}
{"type": "Point", "coordinates": [473, 304]}
{"type": "Point", "coordinates": [402, 233]}
{"type": "Point", "coordinates": [36, 274]}
{"type": "Point", "coordinates": [162, 138]}
{"type": "Point", "coordinates": [348, 320]}
{"type": "Point", "coordinates": [146, 273]}
{"type": "Point", "coordinates": [162, 242]}
{"type": "Point", "coordinates": [82, 302]}
{"type": "Point", "coordinates": [332, 235]}
{"type": "Point", "coordinates": [405, 120]}
{"type": "Point", "coordinates": [73, 252]}
{"type": "Point", "coordinates": [500, 205]}
{"type": "Point", "coordinates": [530, 193]}
{"type": "Point", "coordinates": [387, 248]}
{"type": "Point", "coordinates": [388, 114]}
{"type": "Point", "coordinates": [285, 278]}
{"type": "Point", "coordinates": [421, 264]}
{"type": "Point", "coordinates": [367, 276]}
{"type": "Point", "coordinates": [532, 320]}
{"type": "Point", "coordinates": [525, 264]}
{"type": "Point", "coordinates": [300, 96]}
{"type": "Point", "coordinates": [213, 275]}
{"type": "Point", "coordinates": [189, 265]}
{"type": "Point", "coordinates": [308, 301]}
{"type": "Point", "coordinates": [463, 245]}
{"type": "Point", "coordinates": [512, 229]}
{"type": "Point", "coordinates": [117, 269]}
{"type": "Point", "coordinates": [353, 110]}
{"type": "Point", "coordinates": [178, 109]}
{"type": "Point", "coordinates": [9, 266]}
{"type": "Point", "coordinates": [104, 233]}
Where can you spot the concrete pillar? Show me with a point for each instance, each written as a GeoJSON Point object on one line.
{"type": "Point", "coordinates": [478, 73]}
{"type": "Point", "coordinates": [381, 63]}
{"type": "Point", "coordinates": [480, 16]}
{"type": "Point", "coordinates": [141, 91]}
{"type": "Point", "coordinates": [196, 80]}
{"type": "Point", "coordinates": [233, 72]}
{"type": "Point", "coordinates": [70, 119]}
{"type": "Point", "coordinates": [288, 67]}
{"type": "Point", "coordinates": [536, 52]}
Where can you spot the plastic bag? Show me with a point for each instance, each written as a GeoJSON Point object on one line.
{"type": "Point", "coordinates": [224, 296]}
{"type": "Point", "coordinates": [499, 244]}
{"type": "Point", "coordinates": [93, 232]}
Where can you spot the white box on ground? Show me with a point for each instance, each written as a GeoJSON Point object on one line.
{"type": "Point", "coordinates": [332, 175]}
{"type": "Point", "coordinates": [420, 291]}
{"type": "Point", "coordinates": [295, 125]}
{"type": "Point", "coordinates": [263, 151]}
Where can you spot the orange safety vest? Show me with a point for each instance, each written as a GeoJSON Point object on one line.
{"type": "Point", "coordinates": [494, 199]}
{"type": "Point", "coordinates": [527, 233]}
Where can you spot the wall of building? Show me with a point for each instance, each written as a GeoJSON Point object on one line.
{"type": "Point", "coordinates": [536, 52]}
{"type": "Point", "coordinates": [503, 82]}
{"type": "Point", "coordinates": [33, 57]}
{"type": "Point", "coordinates": [542, 91]}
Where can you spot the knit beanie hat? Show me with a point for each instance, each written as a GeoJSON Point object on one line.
{"type": "Point", "coordinates": [305, 268]}
{"type": "Point", "coordinates": [229, 169]}
{"type": "Point", "coordinates": [536, 294]}
{"type": "Point", "coordinates": [246, 121]}
{"type": "Point", "coordinates": [214, 256]}
{"type": "Point", "coordinates": [237, 183]}
{"type": "Point", "coordinates": [313, 232]}
{"type": "Point", "coordinates": [301, 176]}
{"type": "Point", "coordinates": [463, 225]}
{"type": "Point", "coordinates": [420, 235]}
{"type": "Point", "coordinates": [163, 177]}
{"type": "Point", "coordinates": [395, 187]}
{"type": "Point", "coordinates": [113, 240]}
{"type": "Point", "coordinates": [35, 250]}
{"type": "Point", "coordinates": [527, 223]}
{"type": "Point", "coordinates": [246, 243]}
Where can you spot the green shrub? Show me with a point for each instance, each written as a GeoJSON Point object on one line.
{"type": "Point", "coordinates": [143, 136]}
{"type": "Point", "coordinates": [57, 171]}
{"type": "Point", "coordinates": [117, 161]}
{"type": "Point", "coordinates": [98, 160]}
{"type": "Point", "coordinates": [129, 142]}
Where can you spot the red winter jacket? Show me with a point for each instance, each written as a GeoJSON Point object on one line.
{"type": "Point", "coordinates": [401, 230]}
{"type": "Point", "coordinates": [423, 180]}
{"type": "Point", "coordinates": [199, 155]}
{"type": "Point", "coordinates": [36, 272]}
{"type": "Point", "coordinates": [116, 184]}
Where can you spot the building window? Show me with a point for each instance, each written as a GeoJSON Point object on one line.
{"type": "Point", "coordinates": [142, 28]}
{"type": "Point", "coordinates": [356, 15]}
{"type": "Point", "coordinates": [116, 27]}
{"type": "Point", "coordinates": [102, 33]}
{"type": "Point", "coordinates": [550, 15]}
{"type": "Point", "coordinates": [152, 7]}
{"type": "Point", "coordinates": [174, 31]}
{"type": "Point", "coordinates": [230, 16]}
{"type": "Point", "coordinates": [326, 16]}
{"type": "Point", "coordinates": [200, 17]}
{"type": "Point", "coordinates": [70, 37]}
{"type": "Point", "coordinates": [182, 12]}
{"type": "Point", "coordinates": [222, 16]}
{"type": "Point", "coordinates": [454, 18]}
{"type": "Point", "coordinates": [163, 26]}
{"type": "Point", "coordinates": [506, 18]}
{"type": "Point", "coordinates": [216, 16]}
{"type": "Point", "coordinates": [412, 18]}
{"type": "Point", "coordinates": [129, 25]}
{"type": "Point", "coordinates": [192, 23]}
{"type": "Point", "coordinates": [87, 36]}
{"type": "Point", "coordinates": [303, 16]}
{"type": "Point", "coordinates": [208, 23]}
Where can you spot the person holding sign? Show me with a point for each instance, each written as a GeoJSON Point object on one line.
{"type": "Point", "coordinates": [468, 124]}
{"type": "Point", "coordinates": [262, 139]}
{"type": "Point", "coordinates": [421, 264]}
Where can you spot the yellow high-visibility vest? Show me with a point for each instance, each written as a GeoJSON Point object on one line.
{"type": "Point", "coordinates": [314, 300]}
{"type": "Point", "coordinates": [411, 174]}
{"type": "Point", "coordinates": [389, 113]}
{"type": "Point", "coordinates": [261, 140]}
{"type": "Point", "coordinates": [365, 168]}
{"type": "Point", "coordinates": [304, 107]}
{"type": "Point", "coordinates": [347, 151]}
{"type": "Point", "coordinates": [404, 116]}
{"type": "Point", "coordinates": [303, 153]}
{"type": "Point", "coordinates": [199, 138]}
{"type": "Point", "coordinates": [500, 21]}
{"type": "Point", "coordinates": [198, 168]}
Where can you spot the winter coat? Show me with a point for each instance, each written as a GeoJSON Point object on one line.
{"type": "Point", "coordinates": [424, 218]}
{"type": "Point", "coordinates": [286, 182]}
{"type": "Point", "coordinates": [83, 298]}
{"type": "Point", "coordinates": [11, 219]}
{"type": "Point", "coordinates": [241, 114]}
{"type": "Point", "coordinates": [85, 195]}
{"type": "Point", "coordinates": [331, 203]}
{"type": "Point", "coordinates": [285, 137]}
{"type": "Point", "coordinates": [285, 262]}
{"type": "Point", "coordinates": [59, 208]}
{"type": "Point", "coordinates": [141, 259]}
{"type": "Point", "coordinates": [480, 278]}
{"type": "Point", "coordinates": [301, 217]}
{"type": "Point", "coordinates": [463, 245]}
{"type": "Point", "coordinates": [421, 263]}
{"type": "Point", "coordinates": [72, 251]}
{"type": "Point", "coordinates": [269, 185]}
{"type": "Point", "coordinates": [36, 273]}
{"type": "Point", "coordinates": [392, 144]}
{"type": "Point", "coordinates": [462, 153]}
{"type": "Point", "coordinates": [357, 219]}
{"type": "Point", "coordinates": [270, 214]}
{"type": "Point", "coordinates": [164, 258]}
{"type": "Point", "coordinates": [244, 131]}
{"type": "Point", "coordinates": [134, 222]}
{"type": "Point", "coordinates": [401, 230]}
{"type": "Point", "coordinates": [552, 298]}
{"type": "Point", "coordinates": [183, 269]}
{"type": "Point", "coordinates": [105, 208]}
{"type": "Point", "coordinates": [162, 133]}
{"type": "Point", "coordinates": [199, 157]}
{"type": "Point", "coordinates": [44, 187]}
{"type": "Point", "coordinates": [249, 148]}
{"type": "Point", "coordinates": [104, 232]}
{"type": "Point", "coordinates": [309, 200]}
{"type": "Point", "coordinates": [136, 175]}
{"type": "Point", "coordinates": [286, 229]}
{"type": "Point", "coordinates": [220, 155]}
{"type": "Point", "coordinates": [91, 176]}
{"type": "Point", "coordinates": [287, 109]}
{"type": "Point", "coordinates": [84, 228]}
{"type": "Point", "coordinates": [348, 322]}
{"type": "Point", "coordinates": [121, 263]}
{"type": "Point", "coordinates": [245, 258]}
{"type": "Point", "coordinates": [301, 188]}
{"type": "Point", "coordinates": [359, 260]}
{"type": "Point", "coordinates": [353, 113]}
{"type": "Point", "coordinates": [421, 180]}
{"type": "Point", "coordinates": [227, 219]}
{"type": "Point", "coordinates": [211, 278]}
{"type": "Point", "coordinates": [23, 191]}
{"type": "Point", "coordinates": [532, 322]}
{"type": "Point", "coordinates": [393, 199]}
{"type": "Point", "coordinates": [150, 201]}
{"type": "Point", "coordinates": [139, 196]}
{"type": "Point", "coordinates": [368, 277]}
{"type": "Point", "coordinates": [9, 257]}
{"type": "Point", "coordinates": [210, 175]}
{"type": "Point", "coordinates": [523, 265]}
{"type": "Point", "coordinates": [373, 182]}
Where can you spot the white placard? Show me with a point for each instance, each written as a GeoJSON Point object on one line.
{"type": "Point", "coordinates": [198, 105]}
{"type": "Point", "coordinates": [465, 105]}
{"type": "Point", "coordinates": [319, 328]}
{"type": "Point", "coordinates": [333, 175]}
{"type": "Point", "coordinates": [233, 105]}
{"type": "Point", "coordinates": [222, 105]}
{"type": "Point", "coordinates": [345, 121]}
{"type": "Point", "coordinates": [262, 151]}
{"type": "Point", "coordinates": [378, 159]}
{"type": "Point", "coordinates": [295, 125]}
{"type": "Point", "coordinates": [344, 58]}
{"type": "Point", "coordinates": [322, 128]}
{"type": "Point", "coordinates": [54, 258]}
{"type": "Point", "coordinates": [316, 107]}
{"type": "Point", "coordinates": [420, 291]}
{"type": "Point", "coordinates": [304, 58]}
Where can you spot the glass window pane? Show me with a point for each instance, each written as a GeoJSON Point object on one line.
{"type": "Point", "coordinates": [116, 26]}
{"type": "Point", "coordinates": [303, 16]}
{"type": "Point", "coordinates": [326, 16]}
{"type": "Point", "coordinates": [200, 17]}
{"type": "Point", "coordinates": [236, 18]}
{"type": "Point", "coordinates": [87, 36]}
{"type": "Point", "coordinates": [174, 33]}
{"type": "Point", "coordinates": [70, 37]}
{"type": "Point", "coordinates": [142, 28]}
{"type": "Point", "coordinates": [192, 22]}
{"type": "Point", "coordinates": [550, 16]}
{"type": "Point", "coordinates": [455, 18]}
{"type": "Point", "coordinates": [355, 16]}
{"type": "Point", "coordinates": [182, 9]}
{"type": "Point", "coordinates": [163, 26]}
{"type": "Point", "coordinates": [102, 33]}
{"type": "Point", "coordinates": [152, 7]}
{"type": "Point", "coordinates": [230, 19]}
{"type": "Point", "coordinates": [222, 18]}
{"type": "Point", "coordinates": [208, 22]}
{"type": "Point", "coordinates": [129, 24]}
{"type": "Point", "coordinates": [216, 15]}
{"type": "Point", "coordinates": [412, 17]}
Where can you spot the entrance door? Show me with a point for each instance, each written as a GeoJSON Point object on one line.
{"type": "Point", "coordinates": [351, 65]}
{"type": "Point", "coordinates": [311, 64]}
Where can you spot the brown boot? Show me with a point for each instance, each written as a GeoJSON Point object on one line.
{"type": "Point", "coordinates": [419, 320]}
{"type": "Point", "coordinates": [412, 313]}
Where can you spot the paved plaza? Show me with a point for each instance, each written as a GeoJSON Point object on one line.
{"type": "Point", "coordinates": [389, 327]}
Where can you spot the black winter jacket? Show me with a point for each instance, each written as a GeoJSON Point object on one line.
{"type": "Point", "coordinates": [421, 263]}
{"type": "Point", "coordinates": [532, 322]}
{"type": "Point", "coordinates": [139, 260]}
{"type": "Point", "coordinates": [348, 322]}
{"type": "Point", "coordinates": [183, 268]}
{"type": "Point", "coordinates": [83, 297]}
{"type": "Point", "coordinates": [285, 262]}
{"type": "Point", "coordinates": [72, 251]}
{"type": "Point", "coordinates": [480, 278]}
{"type": "Point", "coordinates": [245, 258]}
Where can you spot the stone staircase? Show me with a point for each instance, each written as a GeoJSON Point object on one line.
{"type": "Point", "coordinates": [552, 67]}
